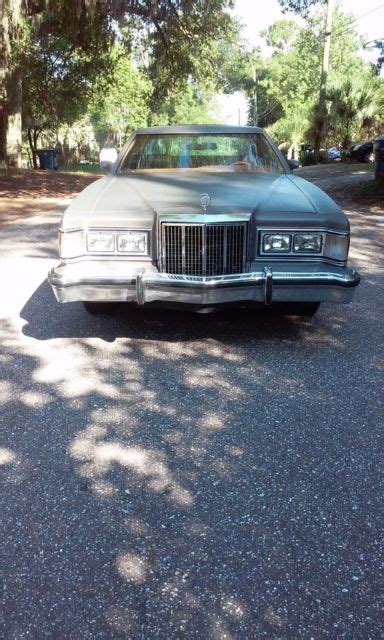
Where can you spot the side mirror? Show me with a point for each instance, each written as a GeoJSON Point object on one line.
{"type": "Point", "coordinates": [293, 164]}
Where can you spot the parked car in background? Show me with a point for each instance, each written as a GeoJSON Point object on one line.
{"type": "Point", "coordinates": [333, 154]}
{"type": "Point", "coordinates": [203, 216]}
{"type": "Point", "coordinates": [107, 157]}
{"type": "Point", "coordinates": [361, 152]}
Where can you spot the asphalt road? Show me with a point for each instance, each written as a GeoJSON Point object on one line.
{"type": "Point", "coordinates": [171, 475]}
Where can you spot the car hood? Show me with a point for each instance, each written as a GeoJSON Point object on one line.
{"type": "Point", "coordinates": [137, 199]}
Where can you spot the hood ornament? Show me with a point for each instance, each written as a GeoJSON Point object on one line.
{"type": "Point", "coordinates": [205, 200]}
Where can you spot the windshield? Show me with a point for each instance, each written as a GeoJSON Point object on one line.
{"type": "Point", "coordinates": [213, 152]}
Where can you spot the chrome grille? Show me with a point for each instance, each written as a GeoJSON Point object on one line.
{"type": "Point", "coordinates": [203, 249]}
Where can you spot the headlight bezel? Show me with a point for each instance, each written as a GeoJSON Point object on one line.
{"type": "Point", "coordinates": [81, 247]}
{"type": "Point", "coordinates": [334, 244]}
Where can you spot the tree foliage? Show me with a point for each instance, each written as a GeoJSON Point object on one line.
{"type": "Point", "coordinates": [58, 71]}
{"type": "Point", "coordinates": [301, 7]}
{"type": "Point", "coordinates": [181, 38]}
{"type": "Point", "coordinates": [120, 103]}
{"type": "Point", "coordinates": [281, 35]}
{"type": "Point", "coordinates": [115, 66]}
{"type": "Point", "coordinates": [293, 74]}
{"type": "Point", "coordinates": [353, 109]}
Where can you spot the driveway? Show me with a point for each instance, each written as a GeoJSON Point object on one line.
{"type": "Point", "coordinates": [172, 475]}
{"type": "Point", "coordinates": [335, 177]}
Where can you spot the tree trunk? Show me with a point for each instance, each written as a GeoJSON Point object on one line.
{"type": "Point", "coordinates": [33, 136]}
{"type": "Point", "coordinates": [378, 147]}
{"type": "Point", "coordinates": [3, 134]}
{"type": "Point", "coordinates": [3, 93]}
{"type": "Point", "coordinates": [14, 130]}
{"type": "Point", "coordinates": [32, 146]}
{"type": "Point", "coordinates": [321, 110]}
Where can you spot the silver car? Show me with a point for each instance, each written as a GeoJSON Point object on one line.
{"type": "Point", "coordinates": [203, 216]}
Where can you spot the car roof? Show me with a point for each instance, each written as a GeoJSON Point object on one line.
{"type": "Point", "coordinates": [197, 128]}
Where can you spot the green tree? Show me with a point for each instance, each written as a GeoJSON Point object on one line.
{"type": "Point", "coordinates": [179, 36]}
{"type": "Point", "coordinates": [186, 104]}
{"type": "Point", "coordinates": [51, 50]}
{"type": "Point", "coordinates": [58, 74]}
{"type": "Point", "coordinates": [120, 103]}
{"type": "Point", "coordinates": [281, 35]}
{"type": "Point", "coordinates": [301, 7]}
{"type": "Point", "coordinates": [292, 78]}
{"type": "Point", "coordinates": [354, 109]}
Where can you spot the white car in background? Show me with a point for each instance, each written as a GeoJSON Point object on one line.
{"type": "Point", "coordinates": [107, 157]}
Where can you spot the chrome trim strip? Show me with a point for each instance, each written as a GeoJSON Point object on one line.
{"type": "Point", "coordinates": [182, 247]}
{"type": "Point", "coordinates": [204, 249]}
{"type": "Point", "coordinates": [268, 285]}
{"type": "Point", "coordinates": [299, 259]}
{"type": "Point", "coordinates": [140, 289]}
{"type": "Point", "coordinates": [350, 278]}
{"type": "Point", "coordinates": [204, 218]}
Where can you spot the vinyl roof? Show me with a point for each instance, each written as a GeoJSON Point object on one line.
{"type": "Point", "coordinates": [198, 128]}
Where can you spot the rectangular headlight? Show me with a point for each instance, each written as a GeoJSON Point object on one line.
{"type": "Point", "coordinates": [276, 243]}
{"type": "Point", "coordinates": [133, 242]}
{"type": "Point", "coordinates": [98, 242]}
{"type": "Point", "coordinates": [307, 243]}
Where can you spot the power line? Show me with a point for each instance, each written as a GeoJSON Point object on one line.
{"type": "Point", "coordinates": [374, 40]}
{"type": "Point", "coordinates": [352, 22]}
{"type": "Point", "coordinates": [381, 6]}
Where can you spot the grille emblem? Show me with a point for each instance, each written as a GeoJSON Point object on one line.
{"type": "Point", "coordinates": [205, 200]}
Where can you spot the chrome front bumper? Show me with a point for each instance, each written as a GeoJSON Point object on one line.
{"type": "Point", "coordinates": [141, 283]}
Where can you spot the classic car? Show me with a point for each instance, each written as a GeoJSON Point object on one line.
{"type": "Point", "coordinates": [203, 216]}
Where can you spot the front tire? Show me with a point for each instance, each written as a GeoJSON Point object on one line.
{"type": "Point", "coordinates": [305, 309]}
{"type": "Point", "coordinates": [95, 308]}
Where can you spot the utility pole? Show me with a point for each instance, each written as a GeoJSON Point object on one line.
{"type": "Point", "coordinates": [255, 114]}
{"type": "Point", "coordinates": [324, 75]}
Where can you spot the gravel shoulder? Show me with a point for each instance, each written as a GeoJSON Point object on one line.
{"type": "Point", "coordinates": [27, 193]}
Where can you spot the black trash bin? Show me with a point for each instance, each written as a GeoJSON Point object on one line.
{"type": "Point", "coordinates": [47, 158]}
{"type": "Point", "coordinates": [378, 148]}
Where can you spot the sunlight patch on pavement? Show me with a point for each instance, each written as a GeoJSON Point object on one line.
{"type": "Point", "coordinates": [132, 567]}
{"type": "Point", "coordinates": [20, 280]}
{"type": "Point", "coordinates": [63, 366]}
{"type": "Point", "coordinates": [7, 456]}
{"type": "Point", "coordinates": [98, 457]}
{"type": "Point", "coordinates": [211, 422]}
{"type": "Point", "coordinates": [233, 607]}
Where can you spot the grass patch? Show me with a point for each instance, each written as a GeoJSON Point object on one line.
{"type": "Point", "coordinates": [82, 168]}
{"type": "Point", "coordinates": [369, 193]}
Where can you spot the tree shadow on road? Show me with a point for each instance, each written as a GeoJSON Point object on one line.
{"type": "Point", "coordinates": [179, 481]}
